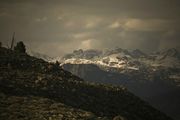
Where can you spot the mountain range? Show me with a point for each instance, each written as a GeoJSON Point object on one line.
{"type": "Point", "coordinates": [33, 89]}
{"type": "Point", "coordinates": [154, 77]}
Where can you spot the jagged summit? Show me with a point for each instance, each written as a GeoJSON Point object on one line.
{"type": "Point", "coordinates": [172, 52]}
{"type": "Point", "coordinates": [138, 53]}
{"type": "Point", "coordinates": [93, 53]}
{"type": "Point", "coordinates": [123, 59]}
{"type": "Point", "coordinates": [49, 92]}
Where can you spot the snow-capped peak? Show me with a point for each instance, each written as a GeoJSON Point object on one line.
{"type": "Point", "coordinates": [115, 58]}
{"type": "Point", "coordinates": [122, 58]}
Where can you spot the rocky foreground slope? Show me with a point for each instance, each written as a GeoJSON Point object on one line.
{"type": "Point", "coordinates": [31, 88]}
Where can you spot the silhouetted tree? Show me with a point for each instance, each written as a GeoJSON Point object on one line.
{"type": "Point", "coordinates": [20, 47]}
{"type": "Point", "coordinates": [57, 63]}
{"type": "Point", "coordinates": [0, 44]}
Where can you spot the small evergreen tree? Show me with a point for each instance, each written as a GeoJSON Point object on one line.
{"type": "Point", "coordinates": [57, 63]}
{"type": "Point", "coordinates": [20, 47]}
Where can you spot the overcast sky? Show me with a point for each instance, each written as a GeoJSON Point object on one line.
{"type": "Point", "coordinates": [56, 27]}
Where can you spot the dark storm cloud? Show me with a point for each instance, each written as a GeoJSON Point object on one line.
{"type": "Point", "coordinates": [55, 27]}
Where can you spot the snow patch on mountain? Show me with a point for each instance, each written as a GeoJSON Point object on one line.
{"type": "Point", "coordinates": [122, 59]}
